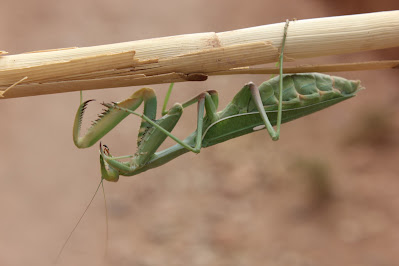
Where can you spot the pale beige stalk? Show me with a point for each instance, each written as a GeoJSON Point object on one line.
{"type": "Point", "coordinates": [192, 56]}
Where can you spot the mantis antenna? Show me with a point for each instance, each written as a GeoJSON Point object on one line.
{"type": "Point", "coordinates": [81, 217]}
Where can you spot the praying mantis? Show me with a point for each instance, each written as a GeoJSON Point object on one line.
{"type": "Point", "coordinates": [276, 101]}
{"type": "Point", "coordinates": [279, 100]}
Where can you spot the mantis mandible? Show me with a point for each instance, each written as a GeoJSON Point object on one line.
{"type": "Point", "coordinates": [278, 100]}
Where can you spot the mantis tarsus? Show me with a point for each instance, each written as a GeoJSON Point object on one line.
{"type": "Point", "coordinates": [278, 100]}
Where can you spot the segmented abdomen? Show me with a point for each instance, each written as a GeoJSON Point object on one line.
{"type": "Point", "coordinates": [303, 94]}
{"type": "Point", "coordinates": [305, 89]}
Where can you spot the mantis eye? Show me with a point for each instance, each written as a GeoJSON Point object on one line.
{"type": "Point", "coordinates": [106, 150]}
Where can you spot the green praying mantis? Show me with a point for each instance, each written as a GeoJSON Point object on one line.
{"type": "Point", "coordinates": [276, 101]}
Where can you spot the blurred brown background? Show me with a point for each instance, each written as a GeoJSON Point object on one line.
{"type": "Point", "coordinates": [325, 194]}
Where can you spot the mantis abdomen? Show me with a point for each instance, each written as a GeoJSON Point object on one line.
{"type": "Point", "coordinates": [303, 94]}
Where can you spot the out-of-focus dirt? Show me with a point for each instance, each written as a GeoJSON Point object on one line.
{"type": "Point", "coordinates": [325, 194]}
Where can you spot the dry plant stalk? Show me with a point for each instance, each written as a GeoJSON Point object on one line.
{"type": "Point", "coordinates": [195, 56]}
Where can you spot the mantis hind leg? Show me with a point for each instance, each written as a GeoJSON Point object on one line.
{"type": "Point", "coordinates": [275, 134]}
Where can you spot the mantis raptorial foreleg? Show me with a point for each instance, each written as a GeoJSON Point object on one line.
{"type": "Point", "coordinates": [111, 118]}
{"type": "Point", "coordinates": [152, 132]}
{"type": "Point", "coordinates": [154, 136]}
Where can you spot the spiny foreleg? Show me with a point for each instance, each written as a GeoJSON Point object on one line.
{"type": "Point", "coordinates": [110, 117]}
{"type": "Point", "coordinates": [160, 129]}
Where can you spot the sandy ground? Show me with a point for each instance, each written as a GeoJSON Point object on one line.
{"type": "Point", "coordinates": [325, 194]}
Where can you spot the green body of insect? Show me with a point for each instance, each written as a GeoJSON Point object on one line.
{"type": "Point", "coordinates": [250, 110]}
